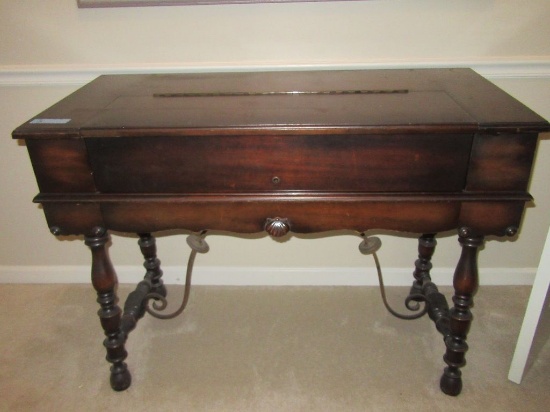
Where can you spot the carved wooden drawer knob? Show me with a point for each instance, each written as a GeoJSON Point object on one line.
{"type": "Point", "coordinates": [277, 227]}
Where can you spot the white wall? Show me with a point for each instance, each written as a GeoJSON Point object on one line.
{"type": "Point", "coordinates": [49, 48]}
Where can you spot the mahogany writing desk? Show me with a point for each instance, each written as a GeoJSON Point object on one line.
{"type": "Point", "coordinates": [421, 151]}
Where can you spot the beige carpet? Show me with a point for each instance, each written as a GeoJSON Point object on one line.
{"type": "Point", "coordinates": [262, 349]}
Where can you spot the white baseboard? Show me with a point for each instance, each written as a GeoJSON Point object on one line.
{"type": "Point", "coordinates": [78, 75]}
{"type": "Point", "coordinates": [263, 276]}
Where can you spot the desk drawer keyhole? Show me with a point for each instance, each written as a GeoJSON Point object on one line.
{"type": "Point", "coordinates": [276, 180]}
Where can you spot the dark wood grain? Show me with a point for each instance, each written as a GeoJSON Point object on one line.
{"type": "Point", "coordinates": [221, 164]}
{"type": "Point", "coordinates": [436, 97]}
{"type": "Point", "coordinates": [421, 151]}
{"type": "Point", "coordinates": [61, 165]}
{"type": "Point", "coordinates": [501, 162]}
{"type": "Point", "coordinates": [104, 281]}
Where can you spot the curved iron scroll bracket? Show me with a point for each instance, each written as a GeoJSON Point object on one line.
{"type": "Point", "coordinates": [197, 245]}
{"type": "Point", "coordinates": [369, 246]}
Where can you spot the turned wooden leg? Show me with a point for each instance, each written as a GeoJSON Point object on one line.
{"type": "Point", "coordinates": [104, 280]}
{"type": "Point", "coordinates": [465, 283]}
{"type": "Point", "coordinates": [437, 306]}
{"type": "Point", "coordinates": [136, 303]}
{"type": "Point", "coordinates": [423, 265]}
{"type": "Point", "coordinates": [147, 244]}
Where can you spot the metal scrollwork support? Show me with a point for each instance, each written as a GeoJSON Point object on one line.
{"type": "Point", "coordinates": [197, 245]}
{"type": "Point", "coordinates": [369, 246]}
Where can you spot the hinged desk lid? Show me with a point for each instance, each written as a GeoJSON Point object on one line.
{"type": "Point", "coordinates": [445, 100]}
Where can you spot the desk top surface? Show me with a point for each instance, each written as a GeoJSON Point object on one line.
{"type": "Point", "coordinates": [362, 101]}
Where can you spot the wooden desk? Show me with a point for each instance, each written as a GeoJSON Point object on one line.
{"type": "Point", "coordinates": [420, 151]}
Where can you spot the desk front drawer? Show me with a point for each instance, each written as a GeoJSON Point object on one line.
{"type": "Point", "coordinates": [240, 164]}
